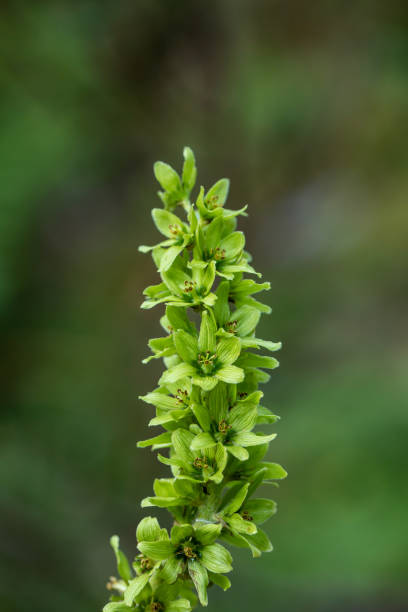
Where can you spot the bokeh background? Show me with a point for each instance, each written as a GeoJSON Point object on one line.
{"type": "Point", "coordinates": [305, 107]}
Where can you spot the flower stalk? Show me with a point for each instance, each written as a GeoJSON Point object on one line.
{"type": "Point", "coordinates": [207, 402]}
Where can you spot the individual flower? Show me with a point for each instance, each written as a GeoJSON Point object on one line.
{"type": "Point", "coordinates": [191, 549]}
{"type": "Point", "coordinates": [206, 360]}
{"type": "Point", "coordinates": [211, 204]}
{"type": "Point", "coordinates": [230, 426]}
{"type": "Point", "coordinates": [199, 466]}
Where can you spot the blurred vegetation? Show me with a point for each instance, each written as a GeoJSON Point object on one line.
{"type": "Point", "coordinates": [304, 107]}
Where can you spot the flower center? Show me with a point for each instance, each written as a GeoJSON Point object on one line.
{"type": "Point", "coordinates": [175, 230]}
{"type": "Point", "coordinates": [156, 606]}
{"type": "Point", "coordinates": [146, 563]}
{"type": "Point", "coordinates": [231, 327]}
{"type": "Point", "coordinates": [189, 552]}
{"type": "Point", "coordinates": [246, 516]}
{"type": "Point", "coordinates": [200, 463]}
{"type": "Point", "coordinates": [182, 396]}
{"type": "Point", "coordinates": [223, 427]}
{"type": "Point", "coordinates": [188, 286]}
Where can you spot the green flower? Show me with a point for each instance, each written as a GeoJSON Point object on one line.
{"type": "Point", "coordinates": [190, 549]}
{"type": "Point", "coordinates": [176, 190]}
{"type": "Point", "coordinates": [229, 425]}
{"type": "Point", "coordinates": [198, 466]}
{"type": "Point", "coordinates": [206, 360]}
{"type": "Point", "coordinates": [181, 286]}
{"type": "Point", "coordinates": [211, 204]}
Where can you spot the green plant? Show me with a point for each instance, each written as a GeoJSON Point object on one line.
{"type": "Point", "coordinates": [207, 401]}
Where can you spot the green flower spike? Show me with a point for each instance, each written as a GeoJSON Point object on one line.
{"type": "Point", "coordinates": [207, 405]}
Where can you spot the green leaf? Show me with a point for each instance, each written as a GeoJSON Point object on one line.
{"type": "Point", "coordinates": [189, 170]}
{"type": "Point", "coordinates": [178, 319]}
{"type": "Point", "coordinates": [206, 339]}
{"type": "Point", "coordinates": [162, 440]}
{"type": "Point", "coordinates": [260, 509]}
{"type": "Point", "coordinates": [157, 551]}
{"type": "Point", "coordinates": [274, 471]}
{"type": "Point", "coordinates": [238, 452]}
{"type": "Point", "coordinates": [171, 569]}
{"type": "Point", "coordinates": [205, 382]}
{"type": "Point", "coordinates": [221, 308]}
{"type": "Point", "coordinates": [243, 417]}
{"type": "Point", "coordinates": [148, 530]}
{"type": "Point", "coordinates": [179, 605]}
{"type": "Point", "coordinates": [121, 560]}
{"type": "Point", "coordinates": [176, 373]}
{"type": "Point", "coordinates": [186, 346]}
{"type": "Point", "coordinates": [163, 502]}
{"type": "Point", "coordinates": [234, 499]}
{"type": "Point", "coordinates": [218, 193]}
{"type": "Point", "coordinates": [233, 245]}
{"type": "Point", "coordinates": [115, 606]}
{"type": "Point", "coordinates": [180, 533]}
{"type": "Point", "coordinates": [240, 525]}
{"type": "Point", "coordinates": [228, 350]}
{"type": "Point", "coordinates": [167, 177]}
{"type": "Point", "coordinates": [222, 581]}
{"type": "Point", "coordinates": [181, 440]}
{"type": "Point", "coordinates": [160, 400]}
{"type": "Point", "coordinates": [208, 533]}
{"type": "Point", "coordinates": [213, 233]}
{"type": "Point", "coordinates": [203, 440]}
{"type": "Point", "coordinates": [216, 558]}
{"type": "Point", "coordinates": [261, 541]}
{"type": "Point", "coordinates": [252, 439]}
{"type": "Point", "coordinates": [230, 374]}
{"type": "Point", "coordinates": [202, 415]}
{"type": "Point", "coordinates": [135, 587]}
{"type": "Point", "coordinates": [199, 576]}
{"type": "Point", "coordinates": [247, 319]}
{"type": "Point", "coordinates": [166, 221]}
{"type": "Point", "coordinates": [169, 256]}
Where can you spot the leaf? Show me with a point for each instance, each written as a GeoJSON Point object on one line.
{"type": "Point", "coordinates": [186, 346]}
{"type": "Point", "coordinates": [115, 606]}
{"type": "Point", "coordinates": [206, 339]}
{"type": "Point", "coordinates": [135, 587]}
{"type": "Point", "coordinates": [230, 374]}
{"type": "Point", "coordinates": [181, 440]}
{"type": "Point", "coordinates": [148, 530]}
{"type": "Point", "coordinates": [243, 417]}
{"type": "Point", "coordinates": [157, 551]}
{"type": "Point", "coordinates": [180, 533]}
{"type": "Point", "coordinates": [247, 319]}
{"type": "Point", "coordinates": [233, 245]}
{"type": "Point", "coordinates": [169, 256]}
{"type": "Point", "coordinates": [171, 569]}
{"type": "Point", "coordinates": [208, 533]}
{"type": "Point", "coordinates": [176, 373]}
{"type": "Point", "coordinates": [160, 400]}
{"type": "Point", "coordinates": [218, 403]}
{"type": "Point", "coordinates": [221, 308]}
{"type": "Point", "coordinates": [237, 522]}
{"type": "Point", "coordinates": [216, 558]}
{"type": "Point", "coordinates": [252, 439]}
{"type": "Point", "coordinates": [203, 440]}
{"type": "Point", "coordinates": [121, 560]}
{"type": "Point", "coordinates": [167, 177]}
{"type": "Point", "coordinates": [199, 576]}
{"type": "Point", "coordinates": [274, 471]}
{"type": "Point", "coordinates": [162, 439]}
{"type": "Point", "coordinates": [202, 415]}
{"type": "Point", "coordinates": [260, 509]}
{"type": "Point", "coordinates": [228, 350]}
{"type": "Point", "coordinates": [178, 319]}
{"type": "Point", "coordinates": [218, 193]}
{"type": "Point", "coordinates": [189, 170]}
{"type": "Point", "coordinates": [166, 221]}
{"type": "Point", "coordinates": [222, 581]}
{"type": "Point", "coordinates": [163, 502]}
{"type": "Point", "coordinates": [234, 499]}
{"type": "Point", "coordinates": [238, 452]}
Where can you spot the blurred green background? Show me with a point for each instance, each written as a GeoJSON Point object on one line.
{"type": "Point", "coordinates": [305, 107]}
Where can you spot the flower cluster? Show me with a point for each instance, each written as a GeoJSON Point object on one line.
{"type": "Point", "coordinates": [207, 402]}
